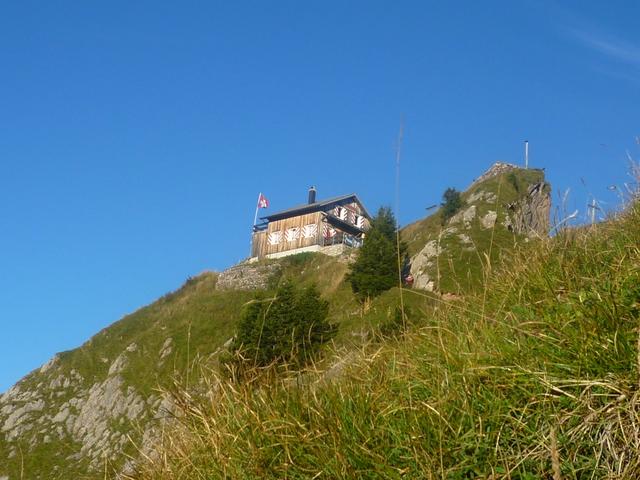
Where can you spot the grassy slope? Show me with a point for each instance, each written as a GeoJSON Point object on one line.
{"type": "Point", "coordinates": [460, 269]}
{"type": "Point", "coordinates": [208, 315]}
{"type": "Point", "coordinates": [196, 311]}
{"type": "Point", "coordinates": [199, 319]}
{"type": "Point", "coordinates": [535, 377]}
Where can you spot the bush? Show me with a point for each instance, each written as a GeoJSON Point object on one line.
{"type": "Point", "coordinates": [451, 203]}
{"type": "Point", "coordinates": [376, 267]}
{"type": "Point", "coordinates": [289, 328]}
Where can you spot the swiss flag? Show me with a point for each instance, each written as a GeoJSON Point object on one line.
{"type": "Point", "coordinates": [262, 201]}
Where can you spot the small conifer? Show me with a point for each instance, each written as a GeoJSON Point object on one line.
{"type": "Point", "coordinates": [376, 267]}
{"type": "Point", "coordinates": [451, 203]}
{"type": "Point", "coordinates": [289, 328]}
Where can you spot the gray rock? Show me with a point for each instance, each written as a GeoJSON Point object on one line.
{"type": "Point", "coordinates": [496, 169]}
{"type": "Point", "coordinates": [50, 364]}
{"type": "Point", "coordinates": [469, 214]}
{"type": "Point", "coordinates": [247, 276]}
{"type": "Point", "coordinates": [530, 215]}
{"type": "Point", "coordinates": [166, 349]}
{"type": "Point", "coordinates": [489, 220]}
{"type": "Point", "coordinates": [464, 216]}
{"type": "Point", "coordinates": [19, 414]}
{"type": "Point", "coordinates": [62, 415]}
{"type": "Point", "coordinates": [464, 238]}
{"type": "Point", "coordinates": [457, 218]}
{"type": "Point", "coordinates": [118, 365]}
{"type": "Point", "coordinates": [474, 197]}
{"type": "Point", "coordinates": [420, 264]}
{"type": "Point", "coordinates": [423, 282]}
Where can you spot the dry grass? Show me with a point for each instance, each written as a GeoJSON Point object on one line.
{"type": "Point", "coordinates": [536, 377]}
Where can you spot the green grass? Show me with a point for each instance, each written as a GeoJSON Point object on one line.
{"type": "Point", "coordinates": [377, 371]}
{"type": "Point", "coordinates": [199, 319]}
{"type": "Point", "coordinates": [45, 460]}
{"type": "Point", "coordinates": [459, 269]}
{"type": "Point", "coordinates": [534, 377]}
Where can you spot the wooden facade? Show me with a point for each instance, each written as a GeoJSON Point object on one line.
{"type": "Point", "coordinates": [312, 226]}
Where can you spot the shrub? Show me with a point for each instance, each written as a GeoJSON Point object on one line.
{"type": "Point", "coordinates": [451, 203]}
{"type": "Point", "coordinates": [289, 328]}
{"type": "Point", "coordinates": [376, 267]}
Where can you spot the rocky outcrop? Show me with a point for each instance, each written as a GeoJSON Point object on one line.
{"type": "Point", "coordinates": [247, 276]}
{"type": "Point", "coordinates": [519, 203]}
{"type": "Point", "coordinates": [64, 407]}
{"type": "Point", "coordinates": [465, 216]}
{"type": "Point", "coordinates": [498, 168]}
{"type": "Point", "coordinates": [421, 265]}
{"type": "Point", "coordinates": [530, 214]}
{"type": "Point", "coordinates": [489, 220]}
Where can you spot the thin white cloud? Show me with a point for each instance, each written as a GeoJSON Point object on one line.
{"type": "Point", "coordinates": [619, 74]}
{"type": "Point", "coordinates": [615, 49]}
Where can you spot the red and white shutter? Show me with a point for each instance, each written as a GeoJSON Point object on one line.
{"type": "Point", "coordinates": [310, 231]}
{"type": "Point", "coordinates": [292, 234]}
{"type": "Point", "coordinates": [328, 231]}
{"type": "Point", "coordinates": [274, 238]}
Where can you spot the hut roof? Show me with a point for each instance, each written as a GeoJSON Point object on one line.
{"type": "Point", "coordinates": [314, 207]}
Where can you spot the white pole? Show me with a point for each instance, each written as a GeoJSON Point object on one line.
{"type": "Point", "coordinates": [255, 219]}
{"type": "Point", "coordinates": [526, 154]}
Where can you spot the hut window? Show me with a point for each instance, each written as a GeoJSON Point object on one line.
{"type": "Point", "coordinates": [292, 234]}
{"type": "Point", "coordinates": [359, 221]}
{"type": "Point", "coordinates": [309, 231]}
{"type": "Point", "coordinates": [274, 238]}
{"type": "Point", "coordinates": [328, 231]}
{"type": "Point", "coordinates": [341, 213]}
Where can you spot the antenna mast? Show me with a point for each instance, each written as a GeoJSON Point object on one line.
{"type": "Point", "coordinates": [593, 206]}
{"type": "Point", "coordinates": [398, 151]}
{"type": "Point", "coordinates": [526, 154]}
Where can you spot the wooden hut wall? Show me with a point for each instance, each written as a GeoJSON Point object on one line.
{"type": "Point", "coordinates": [365, 221]}
{"type": "Point", "coordinates": [287, 241]}
{"type": "Point", "coordinates": [259, 244]}
{"type": "Point", "coordinates": [355, 208]}
{"type": "Point", "coordinates": [289, 233]}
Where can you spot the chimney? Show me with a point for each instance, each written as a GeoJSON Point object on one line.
{"type": "Point", "coordinates": [312, 195]}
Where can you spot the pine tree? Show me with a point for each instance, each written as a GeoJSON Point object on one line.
{"type": "Point", "coordinates": [376, 267]}
{"type": "Point", "coordinates": [289, 328]}
{"type": "Point", "coordinates": [250, 328]}
{"type": "Point", "coordinates": [451, 203]}
{"type": "Point", "coordinates": [311, 329]}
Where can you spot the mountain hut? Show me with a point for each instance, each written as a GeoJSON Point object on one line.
{"type": "Point", "coordinates": [327, 226]}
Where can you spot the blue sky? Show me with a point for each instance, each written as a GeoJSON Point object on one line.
{"type": "Point", "coordinates": [135, 136]}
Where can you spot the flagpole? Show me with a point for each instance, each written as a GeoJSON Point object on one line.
{"type": "Point", "coordinates": [255, 219]}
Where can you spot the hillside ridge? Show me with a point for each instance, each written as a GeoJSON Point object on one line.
{"type": "Point", "coordinates": [535, 376]}
{"type": "Point", "coordinates": [77, 414]}
{"type": "Point", "coordinates": [504, 205]}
